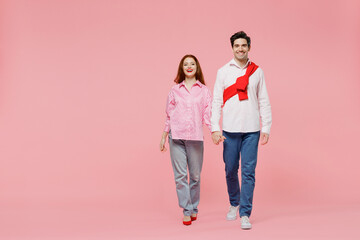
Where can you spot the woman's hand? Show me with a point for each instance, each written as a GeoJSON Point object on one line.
{"type": "Point", "coordinates": [162, 144]}
{"type": "Point", "coordinates": [163, 141]}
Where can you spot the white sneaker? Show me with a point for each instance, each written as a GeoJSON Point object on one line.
{"type": "Point", "coordinates": [232, 214]}
{"type": "Point", "coordinates": [245, 222]}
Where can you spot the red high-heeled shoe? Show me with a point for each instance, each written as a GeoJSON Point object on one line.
{"type": "Point", "coordinates": [193, 218]}
{"type": "Point", "coordinates": [187, 223]}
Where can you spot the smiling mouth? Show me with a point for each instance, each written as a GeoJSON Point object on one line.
{"type": "Point", "coordinates": [189, 70]}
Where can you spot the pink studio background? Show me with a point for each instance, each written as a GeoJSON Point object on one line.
{"type": "Point", "coordinates": [83, 86]}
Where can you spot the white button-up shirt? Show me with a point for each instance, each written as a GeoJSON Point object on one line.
{"type": "Point", "coordinates": [245, 115]}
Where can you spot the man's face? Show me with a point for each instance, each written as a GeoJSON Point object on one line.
{"type": "Point", "coordinates": [241, 49]}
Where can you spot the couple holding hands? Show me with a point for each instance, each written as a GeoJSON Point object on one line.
{"type": "Point", "coordinates": [240, 94]}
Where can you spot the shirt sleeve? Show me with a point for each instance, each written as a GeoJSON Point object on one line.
{"type": "Point", "coordinates": [207, 109]}
{"type": "Point", "coordinates": [170, 106]}
{"type": "Point", "coordinates": [217, 102]}
{"type": "Point", "coordinates": [264, 105]}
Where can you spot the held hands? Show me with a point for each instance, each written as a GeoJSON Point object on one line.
{"type": "Point", "coordinates": [217, 137]}
{"type": "Point", "coordinates": [264, 138]}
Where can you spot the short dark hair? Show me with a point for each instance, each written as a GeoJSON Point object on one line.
{"type": "Point", "coordinates": [238, 35]}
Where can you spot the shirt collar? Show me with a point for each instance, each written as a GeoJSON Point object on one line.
{"type": "Point", "coordinates": [234, 63]}
{"type": "Point", "coordinates": [196, 83]}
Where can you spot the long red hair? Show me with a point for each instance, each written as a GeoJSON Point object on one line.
{"type": "Point", "coordinates": [181, 75]}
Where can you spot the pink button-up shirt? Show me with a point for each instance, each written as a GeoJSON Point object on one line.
{"type": "Point", "coordinates": [187, 111]}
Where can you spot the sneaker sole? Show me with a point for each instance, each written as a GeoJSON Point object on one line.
{"type": "Point", "coordinates": [245, 228]}
{"type": "Point", "coordinates": [230, 219]}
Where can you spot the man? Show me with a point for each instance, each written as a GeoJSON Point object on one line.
{"type": "Point", "coordinates": [240, 91]}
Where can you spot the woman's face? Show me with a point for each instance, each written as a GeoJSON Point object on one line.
{"type": "Point", "coordinates": [189, 67]}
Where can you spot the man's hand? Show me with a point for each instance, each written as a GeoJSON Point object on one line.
{"type": "Point", "coordinates": [217, 137]}
{"type": "Point", "coordinates": [264, 138]}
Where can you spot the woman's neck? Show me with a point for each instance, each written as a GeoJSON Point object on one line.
{"type": "Point", "coordinates": [189, 82]}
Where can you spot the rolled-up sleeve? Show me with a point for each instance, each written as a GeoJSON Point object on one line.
{"type": "Point", "coordinates": [170, 106]}
{"type": "Point", "coordinates": [264, 105]}
{"type": "Point", "coordinates": [207, 109]}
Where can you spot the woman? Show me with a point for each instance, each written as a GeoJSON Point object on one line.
{"type": "Point", "coordinates": [188, 107]}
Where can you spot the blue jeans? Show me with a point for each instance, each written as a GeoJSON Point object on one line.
{"type": "Point", "coordinates": [245, 144]}
{"type": "Point", "coordinates": [187, 154]}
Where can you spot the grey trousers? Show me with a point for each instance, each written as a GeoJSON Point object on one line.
{"type": "Point", "coordinates": [187, 154]}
